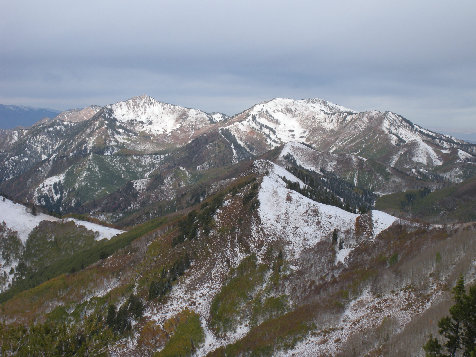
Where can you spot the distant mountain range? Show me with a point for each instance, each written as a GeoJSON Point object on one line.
{"type": "Point", "coordinates": [469, 137]}
{"type": "Point", "coordinates": [82, 157]}
{"type": "Point", "coordinates": [12, 116]}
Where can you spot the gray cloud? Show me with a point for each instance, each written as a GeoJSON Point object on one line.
{"type": "Point", "coordinates": [414, 58]}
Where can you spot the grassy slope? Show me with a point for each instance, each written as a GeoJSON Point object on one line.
{"type": "Point", "coordinates": [456, 203]}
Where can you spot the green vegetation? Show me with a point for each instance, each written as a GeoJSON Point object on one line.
{"type": "Point", "coordinates": [11, 246]}
{"type": "Point", "coordinates": [188, 336]}
{"type": "Point", "coordinates": [120, 321]}
{"type": "Point", "coordinates": [251, 195]}
{"type": "Point", "coordinates": [99, 175]}
{"type": "Point", "coordinates": [393, 259]}
{"type": "Point", "coordinates": [226, 307]}
{"type": "Point", "coordinates": [459, 329]}
{"type": "Point", "coordinates": [78, 260]}
{"type": "Point", "coordinates": [11, 249]}
{"type": "Point", "coordinates": [266, 308]}
{"type": "Point", "coordinates": [159, 288]}
{"type": "Point", "coordinates": [456, 203]}
{"type": "Point", "coordinates": [50, 242]}
{"type": "Point", "coordinates": [91, 338]}
{"type": "Point", "coordinates": [280, 333]}
{"type": "Point", "coordinates": [201, 219]}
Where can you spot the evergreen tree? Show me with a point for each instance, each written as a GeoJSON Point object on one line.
{"type": "Point", "coordinates": [459, 328]}
{"type": "Point", "coordinates": [335, 236]}
{"type": "Point", "coordinates": [111, 315]}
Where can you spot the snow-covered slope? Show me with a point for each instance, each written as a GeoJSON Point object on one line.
{"type": "Point", "coordinates": [17, 218]}
{"type": "Point", "coordinates": [20, 219]}
{"type": "Point", "coordinates": [144, 113]}
{"type": "Point", "coordinates": [282, 120]}
{"type": "Point", "coordinates": [302, 222]}
{"type": "Point", "coordinates": [361, 172]}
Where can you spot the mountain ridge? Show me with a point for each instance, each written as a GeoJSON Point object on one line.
{"type": "Point", "coordinates": [96, 139]}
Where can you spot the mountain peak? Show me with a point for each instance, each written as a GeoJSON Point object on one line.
{"type": "Point", "coordinates": [143, 98]}
{"type": "Point", "coordinates": [313, 104]}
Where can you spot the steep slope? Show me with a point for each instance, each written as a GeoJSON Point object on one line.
{"type": "Point", "coordinates": [452, 204]}
{"type": "Point", "coordinates": [144, 113]}
{"type": "Point", "coordinates": [182, 178]}
{"type": "Point", "coordinates": [68, 161]}
{"type": "Point", "coordinates": [364, 173]}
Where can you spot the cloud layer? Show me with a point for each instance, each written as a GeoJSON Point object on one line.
{"type": "Point", "coordinates": [414, 58]}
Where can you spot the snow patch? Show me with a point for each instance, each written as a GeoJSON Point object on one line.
{"type": "Point", "coordinates": [50, 187]}
{"type": "Point", "coordinates": [381, 221]}
{"type": "Point", "coordinates": [342, 254]}
{"type": "Point", "coordinates": [20, 219]}
{"type": "Point", "coordinates": [102, 232]}
{"type": "Point", "coordinates": [464, 156]}
{"type": "Point", "coordinates": [141, 184]}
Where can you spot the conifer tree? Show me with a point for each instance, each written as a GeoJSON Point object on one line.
{"type": "Point", "coordinates": [459, 328]}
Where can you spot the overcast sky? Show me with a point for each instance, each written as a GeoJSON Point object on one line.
{"type": "Point", "coordinates": [416, 58]}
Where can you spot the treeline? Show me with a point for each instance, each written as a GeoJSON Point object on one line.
{"type": "Point", "coordinates": [332, 190]}
{"type": "Point", "coordinates": [89, 336]}
{"type": "Point", "coordinates": [412, 196]}
{"type": "Point", "coordinates": [119, 320]}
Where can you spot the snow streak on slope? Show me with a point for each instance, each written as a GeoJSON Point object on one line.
{"type": "Point", "coordinates": [400, 130]}
{"type": "Point", "coordinates": [383, 136]}
{"type": "Point", "coordinates": [18, 218]}
{"type": "Point", "coordinates": [49, 187]}
{"type": "Point", "coordinates": [301, 154]}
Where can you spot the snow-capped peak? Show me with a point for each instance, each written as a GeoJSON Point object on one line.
{"type": "Point", "coordinates": [310, 105]}
{"type": "Point", "coordinates": [145, 113]}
